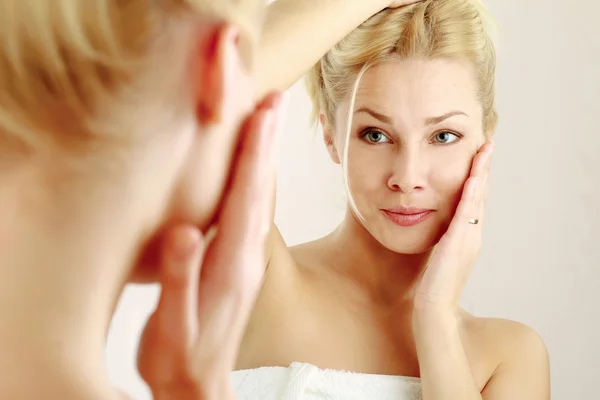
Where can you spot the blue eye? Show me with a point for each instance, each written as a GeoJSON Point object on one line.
{"type": "Point", "coordinates": [446, 137]}
{"type": "Point", "coordinates": [375, 137]}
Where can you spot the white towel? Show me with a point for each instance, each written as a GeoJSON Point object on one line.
{"type": "Point", "coordinates": [302, 381]}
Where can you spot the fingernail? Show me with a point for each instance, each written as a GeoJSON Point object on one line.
{"type": "Point", "coordinates": [277, 100]}
{"type": "Point", "coordinates": [232, 34]}
{"type": "Point", "coordinates": [271, 101]}
{"type": "Point", "coordinates": [275, 119]}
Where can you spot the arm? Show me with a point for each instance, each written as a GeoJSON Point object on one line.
{"type": "Point", "coordinates": [445, 370]}
{"type": "Point", "coordinates": [523, 374]}
{"type": "Point", "coordinates": [298, 33]}
{"type": "Point", "coordinates": [522, 370]}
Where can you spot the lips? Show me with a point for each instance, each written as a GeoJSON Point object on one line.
{"type": "Point", "coordinates": [408, 210]}
{"type": "Point", "coordinates": [407, 216]}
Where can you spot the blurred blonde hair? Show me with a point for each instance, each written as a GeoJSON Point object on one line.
{"type": "Point", "coordinates": [431, 29]}
{"type": "Point", "coordinates": [89, 57]}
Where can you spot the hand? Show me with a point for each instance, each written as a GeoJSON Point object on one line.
{"type": "Point", "coordinates": [450, 263]}
{"type": "Point", "coordinates": [190, 343]}
{"type": "Point", "coordinates": [401, 3]}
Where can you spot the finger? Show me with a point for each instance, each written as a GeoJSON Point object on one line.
{"type": "Point", "coordinates": [233, 266]}
{"type": "Point", "coordinates": [250, 133]}
{"type": "Point", "coordinates": [484, 161]}
{"type": "Point", "coordinates": [177, 312]}
{"type": "Point", "coordinates": [480, 161]}
{"type": "Point", "coordinates": [270, 101]}
{"type": "Point", "coordinates": [479, 170]}
{"type": "Point", "coordinates": [245, 216]}
{"type": "Point", "coordinates": [467, 207]}
{"type": "Point", "coordinates": [485, 185]}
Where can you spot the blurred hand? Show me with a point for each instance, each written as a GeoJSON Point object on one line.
{"type": "Point", "coordinates": [190, 343]}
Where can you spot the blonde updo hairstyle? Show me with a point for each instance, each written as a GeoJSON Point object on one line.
{"type": "Point", "coordinates": [431, 29]}
{"type": "Point", "coordinates": [92, 58]}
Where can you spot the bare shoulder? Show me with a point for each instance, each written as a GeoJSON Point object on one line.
{"type": "Point", "coordinates": [304, 256]}
{"type": "Point", "coordinates": [272, 336]}
{"type": "Point", "coordinates": [280, 265]}
{"type": "Point", "coordinates": [503, 335]}
{"type": "Point", "coordinates": [517, 355]}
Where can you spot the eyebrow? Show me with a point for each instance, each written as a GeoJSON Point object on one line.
{"type": "Point", "coordinates": [428, 121]}
{"type": "Point", "coordinates": [441, 118]}
{"type": "Point", "coordinates": [383, 118]}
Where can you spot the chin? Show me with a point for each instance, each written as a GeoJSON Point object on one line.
{"type": "Point", "coordinates": [407, 240]}
{"type": "Point", "coordinates": [408, 247]}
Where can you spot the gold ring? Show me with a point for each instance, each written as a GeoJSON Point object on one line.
{"type": "Point", "coordinates": [473, 221]}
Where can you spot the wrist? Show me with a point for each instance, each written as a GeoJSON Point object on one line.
{"type": "Point", "coordinates": [424, 306]}
{"type": "Point", "coordinates": [436, 318]}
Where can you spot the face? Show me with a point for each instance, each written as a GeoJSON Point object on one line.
{"type": "Point", "coordinates": [416, 127]}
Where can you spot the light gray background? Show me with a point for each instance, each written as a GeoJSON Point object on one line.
{"type": "Point", "coordinates": [541, 256]}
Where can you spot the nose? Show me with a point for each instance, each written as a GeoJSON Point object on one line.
{"type": "Point", "coordinates": [407, 174]}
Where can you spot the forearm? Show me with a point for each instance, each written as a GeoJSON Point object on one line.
{"type": "Point", "coordinates": [445, 370]}
{"type": "Point", "coordinates": [298, 33]}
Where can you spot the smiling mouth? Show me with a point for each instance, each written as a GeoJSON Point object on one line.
{"type": "Point", "coordinates": [408, 216]}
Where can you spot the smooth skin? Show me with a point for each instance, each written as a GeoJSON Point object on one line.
{"type": "Point", "coordinates": [77, 226]}
{"type": "Point", "coordinates": [413, 327]}
{"type": "Point", "coordinates": [398, 310]}
{"type": "Point", "coordinates": [210, 281]}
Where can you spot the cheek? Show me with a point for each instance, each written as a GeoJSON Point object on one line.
{"type": "Point", "coordinates": [366, 170]}
{"type": "Point", "coordinates": [449, 175]}
{"type": "Point", "coordinates": [208, 167]}
{"type": "Point", "coordinates": [203, 180]}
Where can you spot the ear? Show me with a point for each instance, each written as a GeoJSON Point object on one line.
{"type": "Point", "coordinates": [215, 66]}
{"type": "Point", "coordinates": [329, 139]}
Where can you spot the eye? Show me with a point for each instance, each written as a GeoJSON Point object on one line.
{"type": "Point", "coordinates": [374, 136]}
{"type": "Point", "coordinates": [446, 137]}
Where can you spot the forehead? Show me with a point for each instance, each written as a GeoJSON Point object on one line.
{"type": "Point", "coordinates": [420, 88]}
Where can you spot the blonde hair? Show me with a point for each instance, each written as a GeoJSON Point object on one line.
{"type": "Point", "coordinates": [431, 29]}
{"type": "Point", "coordinates": [80, 54]}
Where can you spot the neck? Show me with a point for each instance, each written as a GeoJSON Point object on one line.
{"type": "Point", "coordinates": [63, 264]}
{"type": "Point", "coordinates": [386, 277]}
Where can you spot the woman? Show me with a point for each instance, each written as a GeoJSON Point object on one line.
{"type": "Point", "coordinates": [406, 101]}
{"type": "Point", "coordinates": [119, 120]}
